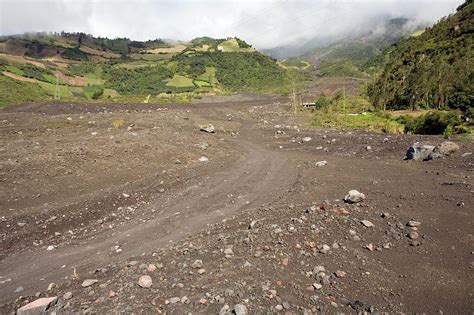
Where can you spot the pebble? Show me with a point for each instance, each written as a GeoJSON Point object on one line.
{"type": "Point", "coordinates": [174, 300]}
{"type": "Point", "coordinates": [145, 281]}
{"type": "Point", "coordinates": [197, 264]}
{"type": "Point", "coordinates": [367, 223]}
{"type": "Point", "coordinates": [88, 282]}
{"type": "Point", "coordinates": [413, 223]}
{"type": "Point", "coordinates": [413, 235]}
{"type": "Point", "coordinates": [321, 163]}
{"type": "Point", "coordinates": [67, 296]}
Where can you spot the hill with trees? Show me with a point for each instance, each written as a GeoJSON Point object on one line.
{"type": "Point", "coordinates": [433, 70]}
{"type": "Point", "coordinates": [77, 66]}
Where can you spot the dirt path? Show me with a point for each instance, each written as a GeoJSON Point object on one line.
{"type": "Point", "coordinates": [254, 179]}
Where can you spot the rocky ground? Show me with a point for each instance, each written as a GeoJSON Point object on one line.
{"type": "Point", "coordinates": [134, 209]}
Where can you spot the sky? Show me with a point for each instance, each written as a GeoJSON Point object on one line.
{"type": "Point", "coordinates": [262, 23]}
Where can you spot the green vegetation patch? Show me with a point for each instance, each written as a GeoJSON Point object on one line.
{"type": "Point", "coordinates": [15, 92]}
{"type": "Point", "coordinates": [180, 81]}
{"type": "Point", "coordinates": [93, 91]}
{"type": "Point", "coordinates": [366, 121]}
{"type": "Point", "coordinates": [75, 54]}
{"type": "Point", "coordinates": [432, 70]}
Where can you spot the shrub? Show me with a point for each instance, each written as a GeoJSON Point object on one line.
{"type": "Point", "coordinates": [93, 91]}
{"type": "Point", "coordinates": [432, 123]}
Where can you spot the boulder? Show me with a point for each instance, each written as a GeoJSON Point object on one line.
{"type": "Point", "coordinates": [354, 197]}
{"type": "Point", "coordinates": [446, 148]}
{"type": "Point", "coordinates": [207, 128]}
{"type": "Point", "coordinates": [419, 151]}
{"type": "Point", "coordinates": [37, 307]}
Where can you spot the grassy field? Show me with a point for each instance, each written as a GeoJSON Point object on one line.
{"type": "Point", "coordinates": [167, 50]}
{"type": "Point", "coordinates": [180, 81]}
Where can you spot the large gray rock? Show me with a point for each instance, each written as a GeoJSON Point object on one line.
{"type": "Point", "coordinates": [446, 148]}
{"type": "Point", "coordinates": [38, 307]}
{"type": "Point", "coordinates": [419, 151]}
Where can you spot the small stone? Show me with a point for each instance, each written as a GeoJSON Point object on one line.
{"type": "Point", "coordinates": [145, 281]}
{"type": "Point", "coordinates": [413, 223]}
{"type": "Point", "coordinates": [415, 243]}
{"type": "Point", "coordinates": [340, 274]}
{"type": "Point", "coordinates": [201, 271]}
{"type": "Point", "coordinates": [317, 286]}
{"type": "Point", "coordinates": [51, 286]}
{"type": "Point", "coordinates": [50, 247]}
{"type": "Point", "coordinates": [321, 163]}
{"type": "Point", "coordinates": [286, 305]}
{"type": "Point", "coordinates": [228, 252]}
{"type": "Point", "coordinates": [324, 249]}
{"type": "Point", "coordinates": [207, 128]}
{"type": "Point", "coordinates": [88, 282]}
{"type": "Point", "coordinates": [151, 268]}
{"type": "Point", "coordinates": [67, 296]}
{"type": "Point", "coordinates": [306, 139]}
{"type": "Point", "coordinates": [197, 264]}
{"type": "Point", "coordinates": [413, 235]}
{"type": "Point", "coordinates": [174, 300]}
{"type": "Point", "coordinates": [367, 223]}
{"type": "Point", "coordinates": [19, 289]}
{"type": "Point", "coordinates": [279, 307]}
{"type": "Point", "coordinates": [111, 294]}
{"type": "Point", "coordinates": [126, 195]}
{"type": "Point", "coordinates": [370, 247]}
{"type": "Point", "coordinates": [203, 159]}
{"type": "Point", "coordinates": [353, 196]}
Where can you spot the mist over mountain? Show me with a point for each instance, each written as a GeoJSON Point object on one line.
{"type": "Point", "coordinates": [265, 24]}
{"type": "Point", "coordinates": [383, 32]}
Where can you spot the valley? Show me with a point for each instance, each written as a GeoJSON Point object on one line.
{"type": "Point", "coordinates": [87, 200]}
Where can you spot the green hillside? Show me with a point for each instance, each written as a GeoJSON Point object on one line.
{"type": "Point", "coordinates": [86, 68]}
{"type": "Point", "coordinates": [431, 70]}
{"type": "Point", "coordinates": [359, 56]}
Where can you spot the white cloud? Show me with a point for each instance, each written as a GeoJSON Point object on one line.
{"type": "Point", "coordinates": [264, 23]}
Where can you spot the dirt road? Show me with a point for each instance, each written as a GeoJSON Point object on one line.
{"type": "Point", "coordinates": [83, 195]}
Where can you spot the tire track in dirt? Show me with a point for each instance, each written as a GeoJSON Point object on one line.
{"type": "Point", "coordinates": [259, 177]}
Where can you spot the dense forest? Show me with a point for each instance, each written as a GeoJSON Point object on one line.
{"type": "Point", "coordinates": [432, 70]}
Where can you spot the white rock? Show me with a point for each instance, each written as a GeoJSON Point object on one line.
{"type": "Point", "coordinates": [321, 163]}
{"type": "Point", "coordinates": [88, 282]}
{"type": "Point", "coordinates": [354, 196]}
{"type": "Point", "coordinates": [307, 139]}
{"type": "Point", "coordinates": [203, 159]}
{"type": "Point", "coordinates": [367, 223]}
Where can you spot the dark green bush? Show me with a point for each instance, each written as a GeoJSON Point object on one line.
{"type": "Point", "coordinates": [432, 123]}
{"type": "Point", "coordinates": [75, 54]}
